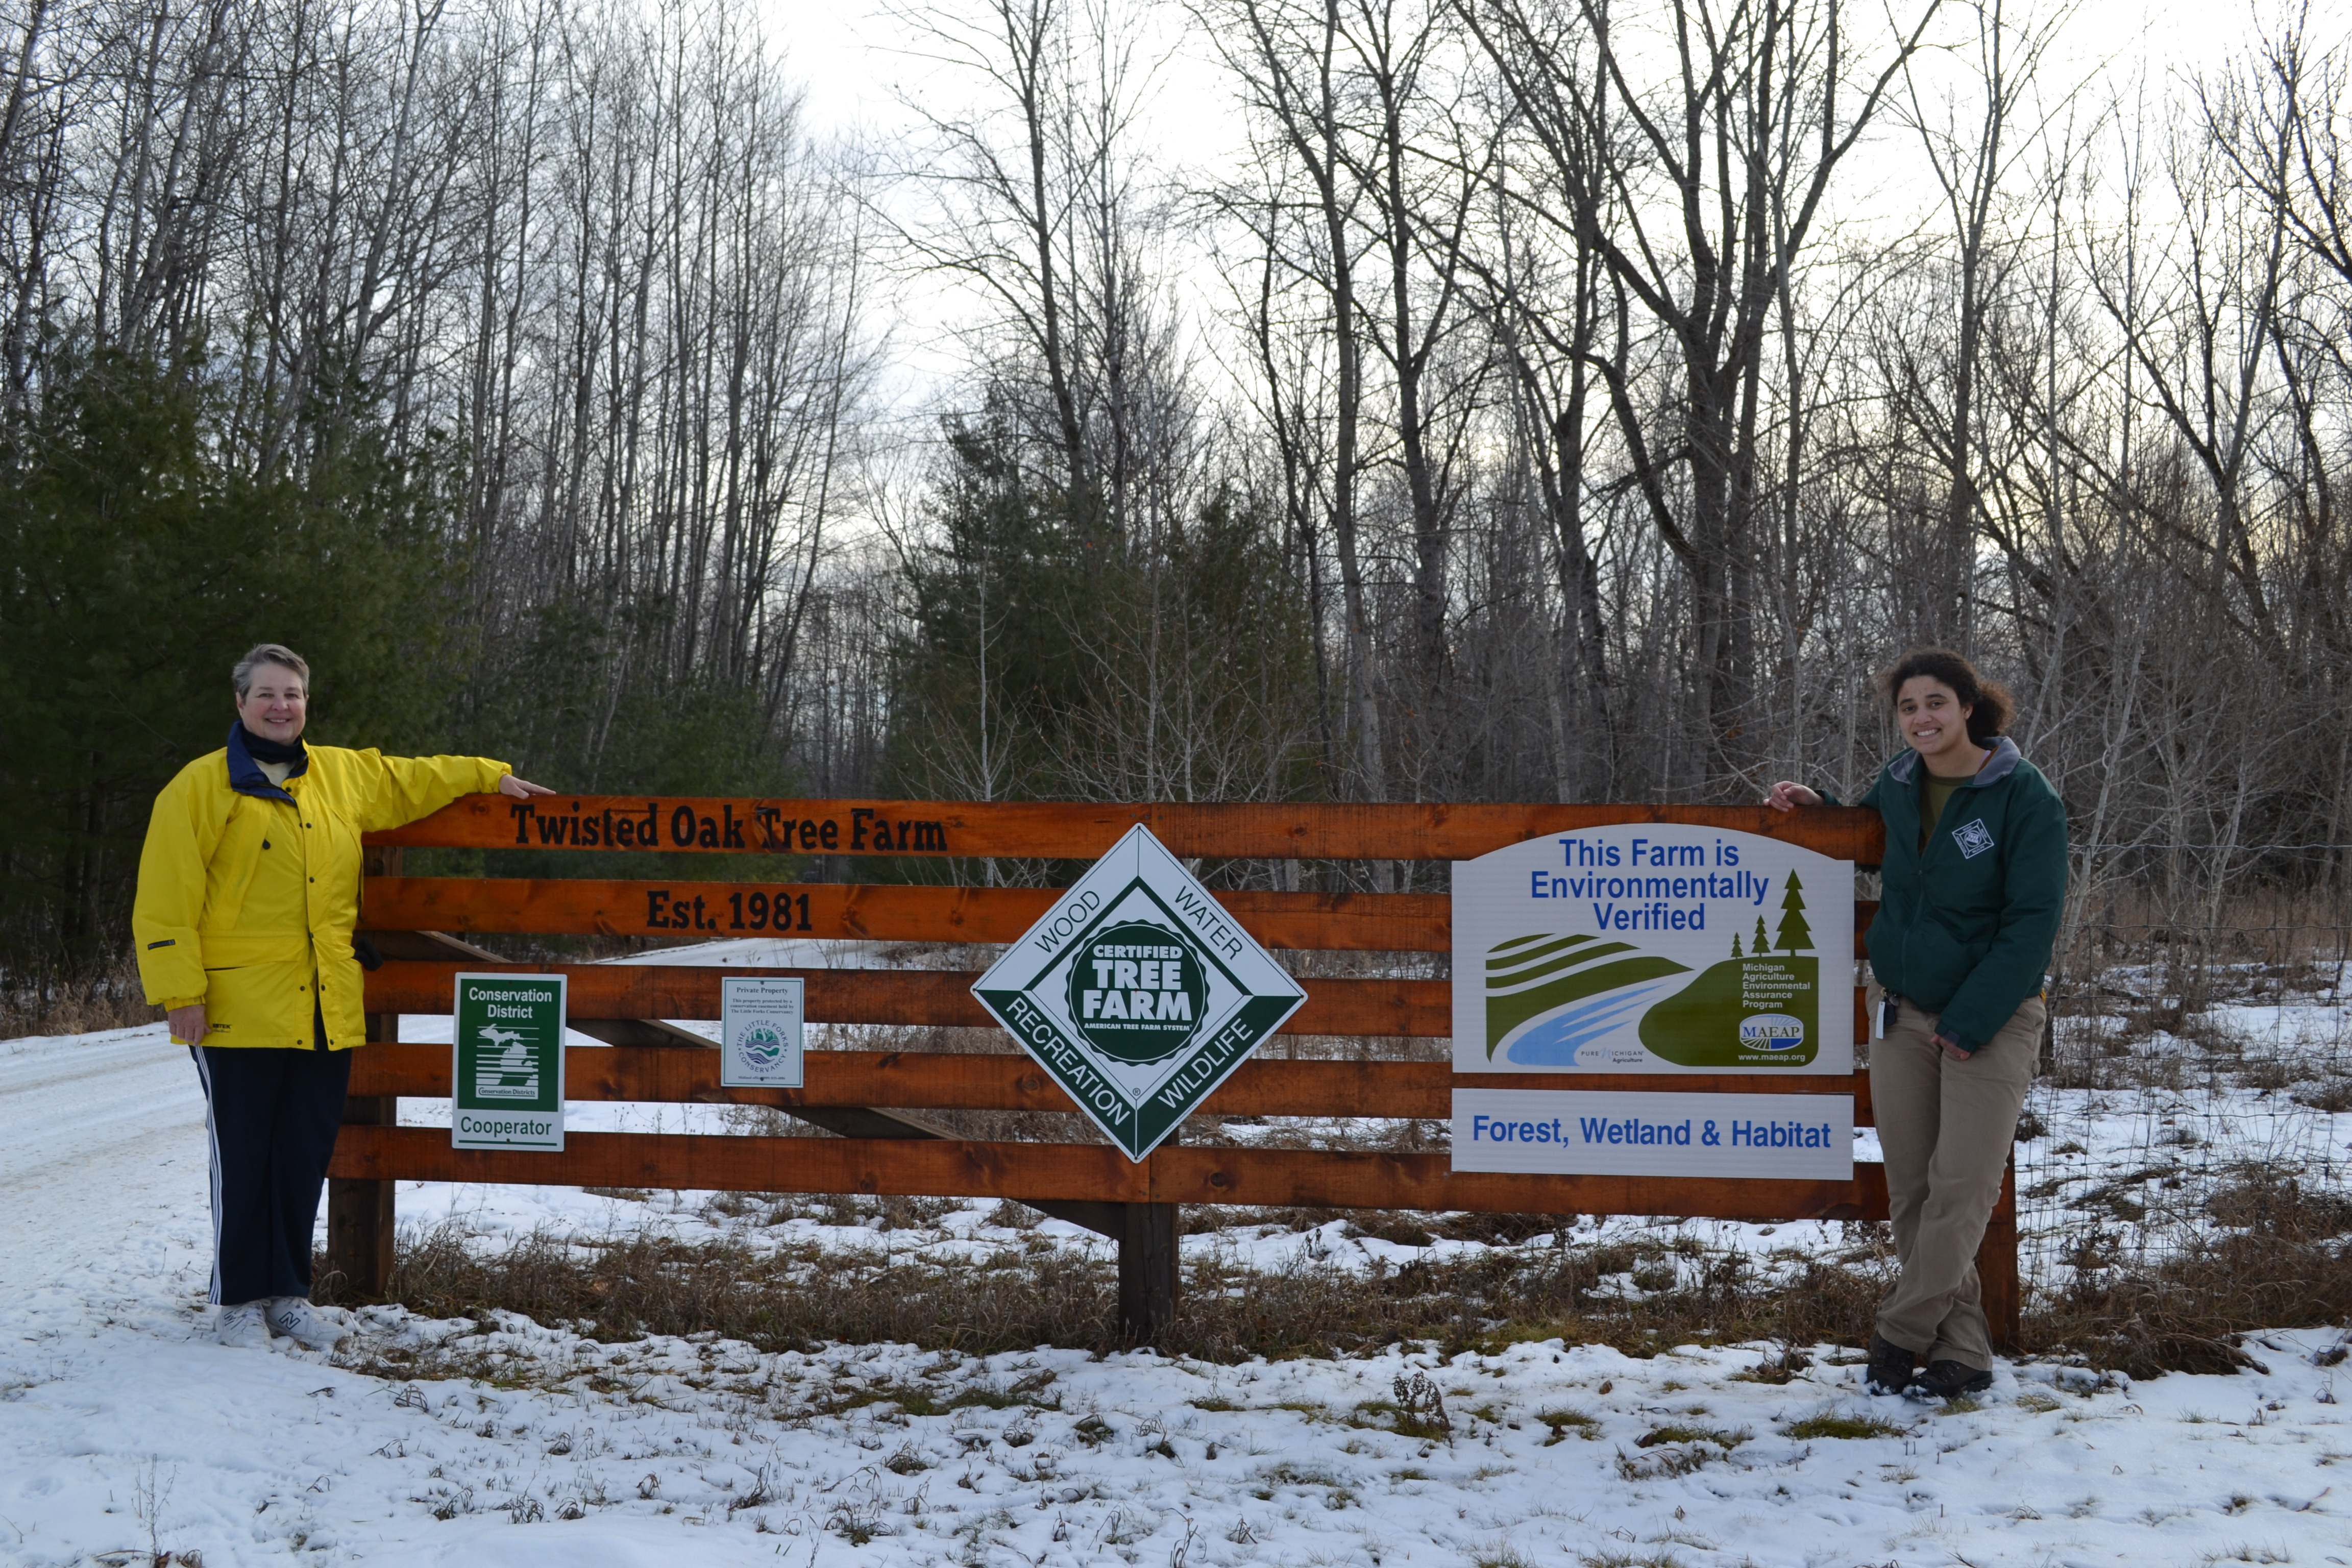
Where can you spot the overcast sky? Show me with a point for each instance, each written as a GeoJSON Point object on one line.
{"type": "Point", "coordinates": [854, 61]}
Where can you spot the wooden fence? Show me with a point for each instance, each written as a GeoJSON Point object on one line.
{"type": "Point", "coordinates": [874, 1099]}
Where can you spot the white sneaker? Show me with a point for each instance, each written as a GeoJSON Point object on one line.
{"type": "Point", "coordinates": [297, 1319]}
{"type": "Point", "coordinates": [243, 1327]}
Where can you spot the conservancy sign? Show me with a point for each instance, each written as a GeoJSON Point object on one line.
{"type": "Point", "coordinates": [1138, 992]}
{"type": "Point", "coordinates": [1654, 947]}
{"type": "Point", "coordinates": [760, 1034]}
{"type": "Point", "coordinates": [508, 1076]}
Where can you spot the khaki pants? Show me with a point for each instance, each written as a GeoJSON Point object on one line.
{"type": "Point", "coordinates": [1946, 1128]}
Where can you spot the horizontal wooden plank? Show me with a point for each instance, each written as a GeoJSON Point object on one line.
{"type": "Point", "coordinates": [957, 1168]}
{"type": "Point", "coordinates": [1390, 922]}
{"type": "Point", "coordinates": [1374, 922]}
{"type": "Point", "coordinates": [936, 996]}
{"type": "Point", "coordinates": [912, 1081]}
{"type": "Point", "coordinates": [1081, 831]}
{"type": "Point", "coordinates": [1419, 1009]}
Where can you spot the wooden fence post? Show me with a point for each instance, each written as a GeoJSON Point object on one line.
{"type": "Point", "coordinates": [1149, 1273]}
{"type": "Point", "coordinates": [360, 1214]}
{"type": "Point", "coordinates": [1151, 1266]}
{"type": "Point", "coordinates": [361, 1218]}
{"type": "Point", "coordinates": [1997, 1270]}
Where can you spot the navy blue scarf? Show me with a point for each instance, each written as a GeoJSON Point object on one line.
{"type": "Point", "coordinates": [248, 750]}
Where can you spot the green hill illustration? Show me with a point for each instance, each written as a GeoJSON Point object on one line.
{"type": "Point", "coordinates": [1530, 975]}
{"type": "Point", "coordinates": [1753, 1011]}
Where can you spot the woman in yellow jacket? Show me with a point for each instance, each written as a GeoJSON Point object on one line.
{"type": "Point", "coordinates": [248, 890]}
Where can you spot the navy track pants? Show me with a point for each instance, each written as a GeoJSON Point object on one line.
{"type": "Point", "coordinates": [271, 1117]}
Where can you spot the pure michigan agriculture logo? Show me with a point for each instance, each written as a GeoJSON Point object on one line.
{"type": "Point", "coordinates": [1652, 947]}
{"type": "Point", "coordinates": [1138, 992]}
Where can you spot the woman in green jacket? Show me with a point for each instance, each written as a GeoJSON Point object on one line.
{"type": "Point", "coordinates": [1971, 889]}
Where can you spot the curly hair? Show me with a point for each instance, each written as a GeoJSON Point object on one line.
{"type": "Point", "coordinates": [1989, 703]}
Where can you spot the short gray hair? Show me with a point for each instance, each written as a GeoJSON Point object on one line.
{"type": "Point", "coordinates": [264, 653]}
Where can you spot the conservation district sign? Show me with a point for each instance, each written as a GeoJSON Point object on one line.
{"type": "Point", "coordinates": [509, 1071]}
{"type": "Point", "coordinates": [1138, 992]}
{"type": "Point", "coordinates": [1654, 947]}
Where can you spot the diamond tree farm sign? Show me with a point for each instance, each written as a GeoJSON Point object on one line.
{"type": "Point", "coordinates": [1654, 948]}
{"type": "Point", "coordinates": [1138, 992]}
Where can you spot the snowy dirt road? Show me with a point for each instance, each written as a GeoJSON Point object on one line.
{"type": "Point", "coordinates": [102, 1131]}
{"type": "Point", "coordinates": [125, 1431]}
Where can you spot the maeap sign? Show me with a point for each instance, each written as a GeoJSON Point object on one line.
{"type": "Point", "coordinates": [1138, 992]}
{"type": "Point", "coordinates": [1654, 947]}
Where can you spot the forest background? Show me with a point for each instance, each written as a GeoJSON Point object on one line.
{"type": "Point", "coordinates": [1533, 400]}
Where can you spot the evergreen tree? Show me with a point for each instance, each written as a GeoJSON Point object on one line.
{"type": "Point", "coordinates": [1762, 944]}
{"type": "Point", "coordinates": [140, 563]}
{"type": "Point", "coordinates": [1795, 934]}
{"type": "Point", "coordinates": [1734, 945]}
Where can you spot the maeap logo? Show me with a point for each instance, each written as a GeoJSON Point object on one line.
{"type": "Point", "coordinates": [1973, 837]}
{"type": "Point", "coordinates": [1771, 1032]}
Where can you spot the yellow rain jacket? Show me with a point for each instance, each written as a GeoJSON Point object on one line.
{"type": "Point", "coordinates": [248, 892]}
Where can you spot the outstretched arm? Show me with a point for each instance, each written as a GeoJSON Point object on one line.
{"type": "Point", "coordinates": [1789, 794]}
{"type": "Point", "coordinates": [403, 789]}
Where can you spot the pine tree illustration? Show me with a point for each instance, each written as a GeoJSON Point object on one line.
{"type": "Point", "coordinates": [1762, 944]}
{"type": "Point", "coordinates": [1735, 944]}
{"type": "Point", "coordinates": [1795, 934]}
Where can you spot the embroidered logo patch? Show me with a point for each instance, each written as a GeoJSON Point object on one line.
{"type": "Point", "coordinates": [1973, 837]}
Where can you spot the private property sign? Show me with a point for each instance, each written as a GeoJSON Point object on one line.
{"type": "Point", "coordinates": [760, 1038]}
{"type": "Point", "coordinates": [507, 1076]}
{"type": "Point", "coordinates": [1138, 992]}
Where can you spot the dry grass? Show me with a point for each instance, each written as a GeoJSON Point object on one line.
{"type": "Point", "coordinates": [2274, 1260]}
{"type": "Point", "coordinates": [797, 1297]}
{"type": "Point", "coordinates": [55, 1005]}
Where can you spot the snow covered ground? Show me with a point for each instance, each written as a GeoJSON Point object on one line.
{"type": "Point", "coordinates": [126, 1432]}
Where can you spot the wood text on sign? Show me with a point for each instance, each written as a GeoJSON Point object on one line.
{"type": "Point", "coordinates": [896, 1151]}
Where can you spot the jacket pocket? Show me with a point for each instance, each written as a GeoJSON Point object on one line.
{"type": "Point", "coordinates": [260, 1003]}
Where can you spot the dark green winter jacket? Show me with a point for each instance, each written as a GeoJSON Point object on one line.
{"type": "Point", "coordinates": [1965, 927]}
